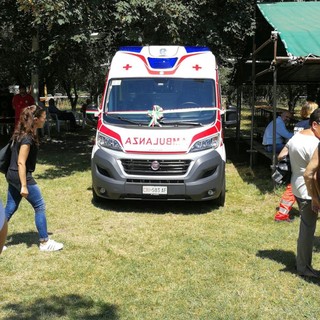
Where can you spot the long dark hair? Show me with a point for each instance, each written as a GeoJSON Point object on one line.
{"type": "Point", "coordinates": [26, 123]}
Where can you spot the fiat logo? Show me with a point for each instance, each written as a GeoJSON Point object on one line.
{"type": "Point", "coordinates": [155, 165]}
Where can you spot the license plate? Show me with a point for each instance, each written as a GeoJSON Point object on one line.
{"type": "Point", "coordinates": [154, 190]}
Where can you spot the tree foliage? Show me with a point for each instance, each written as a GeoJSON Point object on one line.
{"type": "Point", "coordinates": [15, 44]}
{"type": "Point", "coordinates": [70, 59]}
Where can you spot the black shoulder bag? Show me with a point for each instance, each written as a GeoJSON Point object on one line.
{"type": "Point", "coordinates": [282, 173]}
{"type": "Point", "coordinates": [5, 157]}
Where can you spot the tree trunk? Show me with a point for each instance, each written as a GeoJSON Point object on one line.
{"type": "Point", "coordinates": [68, 89]}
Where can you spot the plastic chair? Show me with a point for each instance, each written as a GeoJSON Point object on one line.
{"type": "Point", "coordinates": [58, 122]}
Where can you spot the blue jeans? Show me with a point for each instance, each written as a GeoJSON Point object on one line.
{"type": "Point", "coordinates": [279, 147]}
{"type": "Point", "coordinates": [37, 202]}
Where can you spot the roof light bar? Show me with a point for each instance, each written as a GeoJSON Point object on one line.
{"type": "Point", "coordinates": [162, 63]}
{"type": "Point", "coordinates": [191, 49]}
{"type": "Point", "coordinates": [136, 49]}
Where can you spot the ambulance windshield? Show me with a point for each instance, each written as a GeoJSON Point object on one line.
{"type": "Point", "coordinates": [180, 99]}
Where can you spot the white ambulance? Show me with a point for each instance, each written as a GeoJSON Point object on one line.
{"type": "Point", "coordinates": [159, 132]}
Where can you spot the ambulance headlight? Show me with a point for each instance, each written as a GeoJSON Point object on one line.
{"type": "Point", "coordinates": [107, 142]}
{"type": "Point", "coordinates": [208, 143]}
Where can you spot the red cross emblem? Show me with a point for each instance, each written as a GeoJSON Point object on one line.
{"type": "Point", "coordinates": [197, 67]}
{"type": "Point", "coordinates": [127, 67]}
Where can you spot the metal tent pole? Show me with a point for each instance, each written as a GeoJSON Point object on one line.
{"type": "Point", "coordinates": [239, 106]}
{"type": "Point", "coordinates": [274, 102]}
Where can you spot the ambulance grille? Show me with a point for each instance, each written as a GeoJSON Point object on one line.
{"type": "Point", "coordinates": [166, 167]}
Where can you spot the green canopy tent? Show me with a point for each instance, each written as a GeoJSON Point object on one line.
{"type": "Point", "coordinates": [298, 26]}
{"type": "Point", "coordinates": [285, 50]}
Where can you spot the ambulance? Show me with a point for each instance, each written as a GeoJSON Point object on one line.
{"type": "Point", "coordinates": [159, 130]}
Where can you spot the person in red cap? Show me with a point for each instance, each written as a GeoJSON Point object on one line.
{"type": "Point", "coordinates": [21, 101]}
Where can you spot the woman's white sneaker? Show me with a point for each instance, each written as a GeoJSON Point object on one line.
{"type": "Point", "coordinates": [51, 245]}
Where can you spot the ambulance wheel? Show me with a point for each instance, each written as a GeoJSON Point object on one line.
{"type": "Point", "coordinates": [222, 197]}
{"type": "Point", "coordinates": [95, 197]}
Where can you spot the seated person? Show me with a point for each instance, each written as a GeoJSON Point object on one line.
{"type": "Point", "coordinates": [305, 112]}
{"type": "Point", "coordinates": [62, 115]}
{"type": "Point", "coordinates": [282, 133]}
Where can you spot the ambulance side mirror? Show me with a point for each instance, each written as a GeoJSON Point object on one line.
{"type": "Point", "coordinates": [230, 117]}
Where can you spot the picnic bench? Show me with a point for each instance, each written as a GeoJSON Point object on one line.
{"type": "Point", "coordinates": [257, 147]}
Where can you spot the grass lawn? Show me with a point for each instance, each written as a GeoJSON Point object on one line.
{"type": "Point", "coordinates": [153, 260]}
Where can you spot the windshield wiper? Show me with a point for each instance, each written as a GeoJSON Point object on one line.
{"type": "Point", "coordinates": [172, 123]}
{"type": "Point", "coordinates": [124, 119]}
{"type": "Point", "coordinates": [184, 123]}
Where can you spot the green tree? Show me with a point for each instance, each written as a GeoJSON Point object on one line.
{"type": "Point", "coordinates": [224, 26]}
{"type": "Point", "coordinates": [15, 44]}
{"type": "Point", "coordinates": [70, 58]}
{"type": "Point", "coordinates": [65, 56]}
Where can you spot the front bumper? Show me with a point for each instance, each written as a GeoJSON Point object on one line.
{"type": "Point", "coordinates": [203, 179]}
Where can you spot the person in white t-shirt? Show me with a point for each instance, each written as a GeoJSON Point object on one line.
{"type": "Point", "coordinates": [301, 148]}
{"type": "Point", "coordinates": [288, 199]}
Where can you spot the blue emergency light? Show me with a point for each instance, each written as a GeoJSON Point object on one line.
{"type": "Point", "coordinates": [196, 49]}
{"type": "Point", "coordinates": [136, 49]}
{"type": "Point", "coordinates": [162, 63]}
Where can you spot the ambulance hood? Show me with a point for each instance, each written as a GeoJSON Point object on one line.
{"type": "Point", "coordinates": [155, 140]}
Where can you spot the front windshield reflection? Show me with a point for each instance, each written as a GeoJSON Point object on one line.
{"type": "Point", "coordinates": [189, 100]}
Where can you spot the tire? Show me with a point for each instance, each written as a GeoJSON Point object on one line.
{"type": "Point", "coordinates": [220, 201]}
{"type": "Point", "coordinates": [95, 197]}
